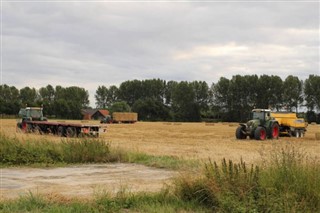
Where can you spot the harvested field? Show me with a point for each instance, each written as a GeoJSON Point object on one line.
{"type": "Point", "coordinates": [187, 140]}
{"type": "Point", "coordinates": [199, 141]}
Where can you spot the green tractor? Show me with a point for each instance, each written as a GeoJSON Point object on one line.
{"type": "Point", "coordinates": [261, 127]}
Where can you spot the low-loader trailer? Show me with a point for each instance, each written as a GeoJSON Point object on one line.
{"type": "Point", "coordinates": [33, 121]}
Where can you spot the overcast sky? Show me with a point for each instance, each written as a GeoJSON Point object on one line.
{"type": "Point", "coordinates": [94, 43]}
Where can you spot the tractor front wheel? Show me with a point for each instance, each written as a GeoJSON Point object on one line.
{"type": "Point", "coordinates": [260, 133]}
{"type": "Point", "coordinates": [239, 133]}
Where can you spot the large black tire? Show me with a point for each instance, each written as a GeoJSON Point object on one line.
{"type": "Point", "coordinates": [274, 131]}
{"type": "Point", "coordinates": [260, 133]}
{"type": "Point", "coordinates": [71, 132]}
{"type": "Point", "coordinates": [61, 131]}
{"type": "Point", "coordinates": [239, 133]}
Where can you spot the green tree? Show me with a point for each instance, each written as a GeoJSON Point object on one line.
{"type": "Point", "coordinates": [130, 91]}
{"type": "Point", "coordinates": [269, 92]}
{"type": "Point", "coordinates": [312, 92]}
{"type": "Point", "coordinates": [113, 95]}
{"type": "Point", "coordinates": [184, 105]}
{"type": "Point", "coordinates": [222, 98]}
{"type": "Point", "coordinates": [202, 97]}
{"type": "Point", "coordinates": [150, 109]}
{"type": "Point", "coordinates": [70, 101]}
{"type": "Point", "coordinates": [101, 97]}
{"type": "Point", "coordinates": [9, 100]}
{"type": "Point", "coordinates": [153, 88]}
{"type": "Point", "coordinates": [105, 97]}
{"type": "Point", "coordinates": [292, 93]}
{"type": "Point", "coordinates": [47, 96]}
{"type": "Point", "coordinates": [29, 96]}
{"type": "Point", "coordinates": [120, 106]}
{"type": "Point", "coordinates": [168, 92]}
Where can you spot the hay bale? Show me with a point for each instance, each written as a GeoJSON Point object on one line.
{"type": "Point", "coordinates": [209, 124]}
{"type": "Point", "coordinates": [317, 136]}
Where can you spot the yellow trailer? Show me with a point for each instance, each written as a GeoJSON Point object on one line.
{"type": "Point", "coordinates": [124, 117]}
{"type": "Point", "coordinates": [290, 124]}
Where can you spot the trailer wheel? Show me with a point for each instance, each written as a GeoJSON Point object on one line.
{"type": "Point", "coordinates": [260, 133]}
{"type": "Point", "coordinates": [71, 132]}
{"type": "Point", "coordinates": [274, 131]}
{"type": "Point", "coordinates": [239, 133]}
{"type": "Point", "coordinates": [60, 131]}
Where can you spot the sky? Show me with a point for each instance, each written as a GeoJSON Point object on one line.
{"type": "Point", "coordinates": [94, 43]}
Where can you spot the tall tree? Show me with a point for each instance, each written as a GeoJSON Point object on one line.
{"type": "Point", "coordinates": [221, 95]}
{"type": "Point", "coordinates": [269, 92]}
{"type": "Point", "coordinates": [130, 91]}
{"type": "Point", "coordinates": [292, 92]}
{"type": "Point", "coordinates": [9, 100]}
{"type": "Point", "coordinates": [202, 97]}
{"type": "Point", "coordinates": [183, 103]}
{"type": "Point", "coordinates": [70, 101]}
{"type": "Point", "coordinates": [101, 97]}
{"type": "Point", "coordinates": [312, 92]}
{"type": "Point", "coordinates": [29, 96]}
{"type": "Point", "coordinates": [47, 95]}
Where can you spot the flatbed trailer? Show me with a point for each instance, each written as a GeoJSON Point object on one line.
{"type": "Point", "coordinates": [33, 122]}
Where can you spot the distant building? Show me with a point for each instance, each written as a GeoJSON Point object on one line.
{"type": "Point", "coordinates": [94, 114]}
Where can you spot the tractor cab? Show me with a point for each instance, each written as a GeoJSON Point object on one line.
{"type": "Point", "coordinates": [261, 114]}
{"type": "Point", "coordinates": [32, 114]}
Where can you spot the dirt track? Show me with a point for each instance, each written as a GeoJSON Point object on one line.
{"type": "Point", "coordinates": [82, 181]}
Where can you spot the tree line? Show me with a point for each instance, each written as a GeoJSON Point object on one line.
{"type": "Point", "coordinates": [160, 100]}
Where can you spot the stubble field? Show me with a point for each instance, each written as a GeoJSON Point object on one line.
{"type": "Point", "coordinates": [195, 141]}
{"type": "Point", "coordinates": [186, 140]}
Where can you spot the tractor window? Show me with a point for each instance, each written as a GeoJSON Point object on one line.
{"type": "Point", "coordinates": [22, 112]}
{"type": "Point", "coordinates": [35, 114]}
{"type": "Point", "coordinates": [258, 115]}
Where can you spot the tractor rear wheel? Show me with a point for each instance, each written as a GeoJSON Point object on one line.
{"type": "Point", "coordinates": [260, 133]}
{"type": "Point", "coordinates": [274, 131]}
{"type": "Point", "coordinates": [239, 133]}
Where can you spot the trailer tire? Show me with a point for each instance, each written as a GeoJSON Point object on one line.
{"type": "Point", "coordinates": [71, 132]}
{"type": "Point", "coordinates": [37, 130]}
{"type": "Point", "coordinates": [239, 133]}
{"type": "Point", "coordinates": [60, 131]}
{"type": "Point", "coordinates": [260, 133]}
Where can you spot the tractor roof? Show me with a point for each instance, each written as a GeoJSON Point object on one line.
{"type": "Point", "coordinates": [34, 108]}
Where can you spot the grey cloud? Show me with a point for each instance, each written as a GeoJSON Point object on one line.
{"type": "Point", "coordinates": [90, 44]}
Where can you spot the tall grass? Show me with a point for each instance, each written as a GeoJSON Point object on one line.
{"type": "Point", "coordinates": [290, 182]}
{"type": "Point", "coordinates": [85, 150]}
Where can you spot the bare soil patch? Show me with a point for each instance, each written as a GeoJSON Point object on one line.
{"type": "Point", "coordinates": [82, 180]}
